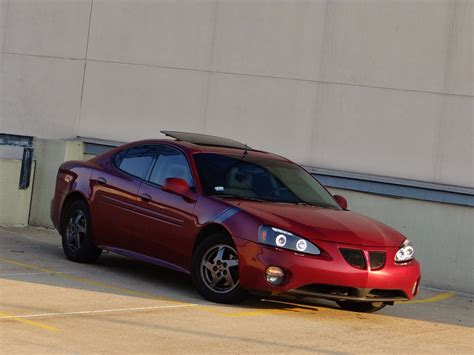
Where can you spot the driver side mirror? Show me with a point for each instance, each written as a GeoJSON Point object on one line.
{"type": "Point", "coordinates": [341, 201]}
{"type": "Point", "coordinates": [179, 187]}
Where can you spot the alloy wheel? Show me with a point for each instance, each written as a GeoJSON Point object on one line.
{"type": "Point", "coordinates": [219, 268]}
{"type": "Point", "coordinates": [76, 230]}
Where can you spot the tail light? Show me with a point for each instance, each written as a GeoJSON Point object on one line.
{"type": "Point", "coordinates": [354, 257]}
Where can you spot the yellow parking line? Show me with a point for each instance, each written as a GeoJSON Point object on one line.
{"type": "Point", "coordinates": [294, 306]}
{"type": "Point", "coordinates": [94, 283]}
{"type": "Point", "coordinates": [436, 298]}
{"type": "Point", "coordinates": [29, 322]}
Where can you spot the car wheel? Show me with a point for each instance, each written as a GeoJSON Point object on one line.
{"type": "Point", "coordinates": [366, 307]}
{"type": "Point", "coordinates": [215, 270]}
{"type": "Point", "coordinates": [76, 234]}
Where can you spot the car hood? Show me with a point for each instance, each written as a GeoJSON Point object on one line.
{"type": "Point", "coordinates": [314, 223]}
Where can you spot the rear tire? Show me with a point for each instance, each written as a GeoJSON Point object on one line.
{"type": "Point", "coordinates": [76, 234]}
{"type": "Point", "coordinates": [365, 307]}
{"type": "Point", "coordinates": [215, 270]}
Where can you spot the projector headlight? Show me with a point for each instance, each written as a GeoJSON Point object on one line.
{"type": "Point", "coordinates": [405, 253]}
{"type": "Point", "coordinates": [286, 240]}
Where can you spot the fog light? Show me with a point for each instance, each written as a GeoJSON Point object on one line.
{"type": "Point", "coordinates": [274, 275]}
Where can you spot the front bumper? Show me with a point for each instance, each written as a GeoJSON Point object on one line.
{"type": "Point", "coordinates": [327, 275]}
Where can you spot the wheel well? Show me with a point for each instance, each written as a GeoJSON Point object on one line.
{"type": "Point", "coordinates": [208, 230]}
{"type": "Point", "coordinates": [72, 197]}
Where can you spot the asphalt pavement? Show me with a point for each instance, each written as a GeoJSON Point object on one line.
{"type": "Point", "coordinates": [49, 304]}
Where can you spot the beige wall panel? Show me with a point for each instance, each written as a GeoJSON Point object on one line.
{"type": "Point", "coordinates": [266, 113]}
{"type": "Point", "coordinates": [127, 102]}
{"type": "Point", "coordinates": [460, 64]}
{"type": "Point", "coordinates": [270, 37]}
{"type": "Point", "coordinates": [3, 21]}
{"type": "Point", "coordinates": [442, 235]}
{"type": "Point", "coordinates": [14, 203]}
{"type": "Point", "coordinates": [398, 44]}
{"type": "Point", "coordinates": [40, 96]}
{"type": "Point", "coordinates": [163, 33]}
{"type": "Point", "coordinates": [455, 152]}
{"type": "Point", "coordinates": [49, 155]}
{"type": "Point", "coordinates": [48, 27]}
{"type": "Point", "coordinates": [378, 131]}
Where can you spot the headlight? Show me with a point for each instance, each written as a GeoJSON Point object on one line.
{"type": "Point", "coordinates": [282, 239]}
{"type": "Point", "coordinates": [405, 253]}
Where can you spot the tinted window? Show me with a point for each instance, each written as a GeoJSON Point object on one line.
{"type": "Point", "coordinates": [136, 161]}
{"type": "Point", "coordinates": [171, 163]}
{"type": "Point", "coordinates": [261, 179]}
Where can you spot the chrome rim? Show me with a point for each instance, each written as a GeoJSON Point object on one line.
{"type": "Point", "coordinates": [219, 269]}
{"type": "Point", "coordinates": [76, 230]}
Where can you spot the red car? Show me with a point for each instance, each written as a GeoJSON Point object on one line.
{"type": "Point", "coordinates": [238, 220]}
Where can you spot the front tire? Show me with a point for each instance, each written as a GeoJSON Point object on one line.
{"type": "Point", "coordinates": [77, 234]}
{"type": "Point", "coordinates": [215, 270]}
{"type": "Point", "coordinates": [365, 307]}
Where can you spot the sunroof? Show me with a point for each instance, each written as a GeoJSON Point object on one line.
{"type": "Point", "coordinates": [204, 139]}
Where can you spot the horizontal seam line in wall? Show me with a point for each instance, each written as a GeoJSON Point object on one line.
{"type": "Point", "coordinates": [390, 180]}
{"type": "Point", "coordinates": [247, 74]}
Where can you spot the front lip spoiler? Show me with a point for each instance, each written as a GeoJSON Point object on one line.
{"type": "Point", "coordinates": [311, 294]}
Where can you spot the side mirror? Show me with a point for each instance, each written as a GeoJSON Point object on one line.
{"type": "Point", "coordinates": [179, 187]}
{"type": "Point", "coordinates": [341, 201]}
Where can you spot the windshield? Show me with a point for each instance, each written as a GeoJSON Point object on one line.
{"type": "Point", "coordinates": [260, 179]}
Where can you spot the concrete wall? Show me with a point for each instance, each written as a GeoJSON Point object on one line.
{"type": "Point", "coordinates": [382, 87]}
{"type": "Point", "coordinates": [48, 155]}
{"type": "Point", "coordinates": [442, 235]}
{"type": "Point", "coordinates": [14, 203]}
{"type": "Point", "coordinates": [378, 87]}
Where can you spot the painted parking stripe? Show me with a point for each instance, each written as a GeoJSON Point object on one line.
{"type": "Point", "coordinates": [96, 311]}
{"type": "Point", "coordinates": [202, 307]}
{"type": "Point", "coordinates": [28, 273]}
{"type": "Point", "coordinates": [29, 322]}
{"type": "Point", "coordinates": [436, 298]}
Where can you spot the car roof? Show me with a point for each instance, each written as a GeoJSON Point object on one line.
{"type": "Point", "coordinates": [205, 139]}
{"type": "Point", "coordinates": [193, 148]}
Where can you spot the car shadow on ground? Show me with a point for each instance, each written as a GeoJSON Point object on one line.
{"type": "Point", "coordinates": [123, 276]}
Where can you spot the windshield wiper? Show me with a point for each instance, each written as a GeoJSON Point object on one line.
{"type": "Point", "coordinates": [239, 197]}
{"type": "Point", "coordinates": [322, 205]}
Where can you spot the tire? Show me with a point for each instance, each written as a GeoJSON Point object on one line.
{"type": "Point", "coordinates": [365, 307]}
{"type": "Point", "coordinates": [215, 270]}
{"type": "Point", "coordinates": [76, 234]}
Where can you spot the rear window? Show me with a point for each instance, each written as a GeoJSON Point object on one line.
{"type": "Point", "coordinates": [135, 161]}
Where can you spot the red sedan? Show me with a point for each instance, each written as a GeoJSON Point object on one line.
{"type": "Point", "coordinates": [238, 220]}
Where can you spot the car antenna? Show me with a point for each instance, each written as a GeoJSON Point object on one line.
{"type": "Point", "coordinates": [246, 150]}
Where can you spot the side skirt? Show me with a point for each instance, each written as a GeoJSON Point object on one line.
{"type": "Point", "coordinates": [146, 258]}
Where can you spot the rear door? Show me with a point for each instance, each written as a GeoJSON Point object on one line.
{"type": "Point", "coordinates": [115, 190]}
{"type": "Point", "coordinates": [165, 224]}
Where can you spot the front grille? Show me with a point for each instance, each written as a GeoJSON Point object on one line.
{"type": "Point", "coordinates": [376, 259]}
{"type": "Point", "coordinates": [354, 257]}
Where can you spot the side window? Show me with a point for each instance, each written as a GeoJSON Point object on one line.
{"type": "Point", "coordinates": [135, 161]}
{"type": "Point", "coordinates": [171, 163]}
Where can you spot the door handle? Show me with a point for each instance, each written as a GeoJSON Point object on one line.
{"type": "Point", "coordinates": [101, 180]}
{"type": "Point", "coordinates": [145, 197]}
